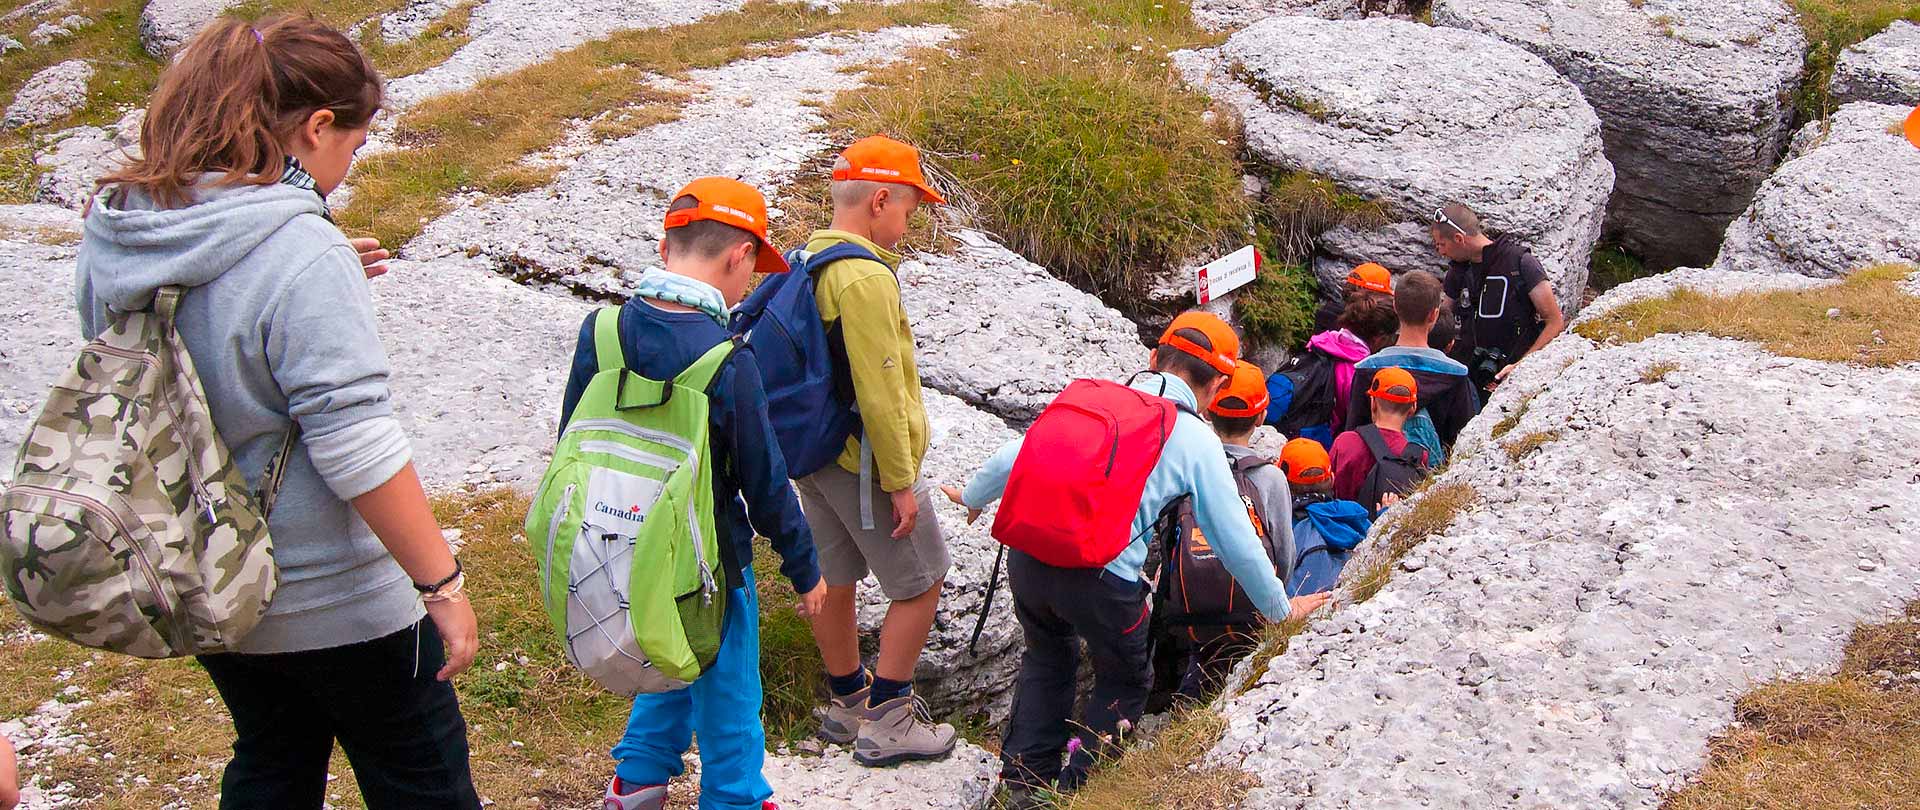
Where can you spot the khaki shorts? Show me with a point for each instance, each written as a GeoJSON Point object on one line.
{"type": "Point", "coordinates": [906, 568]}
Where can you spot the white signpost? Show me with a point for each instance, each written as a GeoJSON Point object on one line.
{"type": "Point", "coordinates": [1226, 274]}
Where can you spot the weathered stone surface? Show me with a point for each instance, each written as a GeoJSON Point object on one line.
{"type": "Point", "coordinates": [1695, 97]}
{"type": "Point", "coordinates": [84, 154]}
{"type": "Point", "coordinates": [39, 330]}
{"type": "Point", "coordinates": [1356, 102]}
{"type": "Point", "coordinates": [1002, 333]}
{"type": "Point", "coordinates": [1844, 201]}
{"type": "Point", "coordinates": [949, 677]}
{"type": "Point", "coordinates": [963, 781]}
{"type": "Point", "coordinates": [1884, 68]}
{"type": "Point", "coordinates": [165, 25]}
{"type": "Point", "coordinates": [414, 19]}
{"type": "Point", "coordinates": [50, 95]}
{"type": "Point", "coordinates": [64, 27]}
{"type": "Point", "coordinates": [1576, 638]}
{"type": "Point", "coordinates": [1226, 15]}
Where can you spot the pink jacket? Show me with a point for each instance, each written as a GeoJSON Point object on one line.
{"type": "Point", "coordinates": [1346, 349]}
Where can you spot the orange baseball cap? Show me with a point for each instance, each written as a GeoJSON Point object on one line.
{"type": "Point", "coordinates": [1373, 277]}
{"type": "Point", "coordinates": [1246, 384]}
{"type": "Point", "coordinates": [1226, 344]}
{"type": "Point", "coordinates": [1394, 384]}
{"type": "Point", "coordinates": [1305, 462]}
{"type": "Point", "coordinates": [1912, 127]}
{"type": "Point", "coordinates": [730, 202]}
{"type": "Point", "coordinates": [884, 160]}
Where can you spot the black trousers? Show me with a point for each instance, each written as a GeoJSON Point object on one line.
{"type": "Point", "coordinates": [400, 728]}
{"type": "Point", "coordinates": [1059, 608]}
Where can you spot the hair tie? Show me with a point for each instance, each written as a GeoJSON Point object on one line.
{"type": "Point", "coordinates": [256, 36]}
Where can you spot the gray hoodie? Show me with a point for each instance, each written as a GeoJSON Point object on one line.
{"type": "Point", "coordinates": [279, 321]}
{"type": "Point", "coordinates": [1276, 501]}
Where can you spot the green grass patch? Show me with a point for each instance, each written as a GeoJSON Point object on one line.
{"type": "Point", "coordinates": [1277, 308]}
{"type": "Point", "coordinates": [1832, 26]}
{"type": "Point", "coordinates": [791, 674]}
{"type": "Point", "coordinates": [1873, 322]}
{"type": "Point", "coordinates": [433, 46]}
{"type": "Point", "coordinates": [123, 75]}
{"type": "Point", "coordinates": [477, 138]}
{"type": "Point", "coordinates": [1612, 266]}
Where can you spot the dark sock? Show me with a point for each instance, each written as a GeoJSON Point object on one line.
{"type": "Point", "coordinates": [885, 689]}
{"type": "Point", "coordinates": [844, 685]}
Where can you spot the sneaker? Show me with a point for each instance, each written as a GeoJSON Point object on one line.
{"type": "Point", "coordinates": [645, 797]}
{"type": "Point", "coordinates": [844, 714]}
{"type": "Point", "coordinates": [900, 730]}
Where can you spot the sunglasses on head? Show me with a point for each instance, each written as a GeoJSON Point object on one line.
{"type": "Point", "coordinates": [1440, 218]}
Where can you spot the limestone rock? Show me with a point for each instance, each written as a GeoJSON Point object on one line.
{"type": "Point", "coordinates": [1885, 68]}
{"type": "Point", "coordinates": [165, 25]}
{"type": "Point", "coordinates": [1695, 98]}
{"type": "Point", "coordinates": [413, 20]}
{"type": "Point", "coordinates": [35, 8]}
{"type": "Point", "coordinates": [949, 677]}
{"type": "Point", "coordinates": [1355, 102]}
{"type": "Point", "coordinates": [964, 780]}
{"type": "Point", "coordinates": [1226, 15]}
{"type": "Point", "coordinates": [9, 44]}
{"type": "Point", "coordinates": [1845, 200]}
{"type": "Point", "coordinates": [50, 95]}
{"type": "Point", "coordinates": [1002, 333]}
{"type": "Point", "coordinates": [39, 334]}
{"type": "Point", "coordinates": [62, 28]}
{"type": "Point", "coordinates": [84, 154]}
{"type": "Point", "coordinates": [1577, 637]}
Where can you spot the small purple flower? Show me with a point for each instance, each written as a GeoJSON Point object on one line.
{"type": "Point", "coordinates": [1073, 745]}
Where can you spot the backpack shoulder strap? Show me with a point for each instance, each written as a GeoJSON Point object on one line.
{"type": "Point", "coordinates": [166, 301]}
{"type": "Point", "coordinates": [700, 375]}
{"type": "Point", "coordinates": [1248, 464]}
{"type": "Point", "coordinates": [606, 339]}
{"type": "Point", "coordinates": [813, 263]}
{"type": "Point", "coordinates": [1376, 443]}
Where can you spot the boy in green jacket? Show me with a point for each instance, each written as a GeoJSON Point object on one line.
{"type": "Point", "coordinates": [871, 512]}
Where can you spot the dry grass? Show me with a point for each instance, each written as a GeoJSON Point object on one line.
{"type": "Point", "coordinates": [433, 46]}
{"type": "Point", "coordinates": [1510, 421]}
{"type": "Point", "coordinates": [1878, 324]}
{"type": "Point", "coordinates": [1658, 372]}
{"type": "Point", "coordinates": [1832, 26]}
{"type": "Point", "coordinates": [1424, 515]}
{"type": "Point", "coordinates": [477, 138]}
{"type": "Point", "coordinates": [1525, 445]}
{"type": "Point", "coordinates": [123, 75]}
{"type": "Point", "coordinates": [1164, 775]}
{"type": "Point", "coordinates": [1846, 742]}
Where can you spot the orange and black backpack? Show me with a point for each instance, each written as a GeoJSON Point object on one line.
{"type": "Point", "coordinates": [1200, 598]}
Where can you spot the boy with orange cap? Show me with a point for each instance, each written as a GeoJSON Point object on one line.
{"type": "Point", "coordinates": [871, 512]}
{"type": "Point", "coordinates": [1365, 280]}
{"type": "Point", "coordinates": [716, 239]}
{"type": "Point", "coordinates": [1374, 464]}
{"type": "Point", "coordinates": [1325, 529]}
{"type": "Point", "coordinates": [1059, 607]}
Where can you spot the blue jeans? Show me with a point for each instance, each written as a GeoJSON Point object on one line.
{"type": "Point", "coordinates": [722, 707]}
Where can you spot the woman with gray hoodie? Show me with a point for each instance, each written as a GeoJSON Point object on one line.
{"type": "Point", "coordinates": [248, 131]}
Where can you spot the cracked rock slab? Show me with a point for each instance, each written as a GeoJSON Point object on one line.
{"type": "Point", "coordinates": [165, 25]}
{"type": "Point", "coordinates": [1354, 102]}
{"type": "Point", "coordinates": [50, 95]}
{"type": "Point", "coordinates": [1227, 15]}
{"type": "Point", "coordinates": [964, 780]}
{"type": "Point", "coordinates": [1695, 98]}
{"type": "Point", "coordinates": [83, 155]}
{"type": "Point", "coordinates": [1576, 638]}
{"type": "Point", "coordinates": [1844, 201]}
{"type": "Point", "coordinates": [40, 332]}
{"type": "Point", "coordinates": [1884, 68]}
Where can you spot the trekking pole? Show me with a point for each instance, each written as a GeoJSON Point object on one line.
{"type": "Point", "coordinates": [986, 608]}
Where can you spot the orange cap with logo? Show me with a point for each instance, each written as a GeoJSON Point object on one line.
{"type": "Point", "coordinates": [884, 160]}
{"type": "Point", "coordinates": [1912, 127]}
{"type": "Point", "coordinates": [1373, 277]}
{"type": "Point", "coordinates": [1394, 384]}
{"type": "Point", "coordinates": [730, 202]}
{"type": "Point", "coordinates": [1246, 384]}
{"type": "Point", "coordinates": [1226, 345]}
{"type": "Point", "coordinates": [1306, 462]}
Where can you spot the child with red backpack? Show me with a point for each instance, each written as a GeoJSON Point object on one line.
{"type": "Point", "coordinates": [1083, 493]}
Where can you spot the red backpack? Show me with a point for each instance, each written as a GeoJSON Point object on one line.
{"type": "Point", "coordinates": [1074, 488]}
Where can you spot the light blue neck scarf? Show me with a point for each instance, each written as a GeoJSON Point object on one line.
{"type": "Point", "coordinates": [674, 288]}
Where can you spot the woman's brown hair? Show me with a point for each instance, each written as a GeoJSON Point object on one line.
{"type": "Point", "coordinates": [237, 93]}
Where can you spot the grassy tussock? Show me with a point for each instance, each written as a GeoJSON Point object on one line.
{"type": "Point", "coordinates": [1878, 323]}
{"type": "Point", "coordinates": [1525, 445]}
{"type": "Point", "coordinates": [1832, 26]}
{"type": "Point", "coordinates": [123, 75]}
{"type": "Point", "coordinates": [1849, 741]}
{"type": "Point", "coordinates": [477, 138]}
{"type": "Point", "coordinates": [792, 678]}
{"type": "Point", "coordinates": [434, 45]}
{"type": "Point", "coordinates": [1510, 421]}
{"type": "Point", "coordinates": [1658, 372]}
{"type": "Point", "coordinates": [1277, 308]}
{"type": "Point", "coordinates": [1164, 775]}
{"type": "Point", "coordinates": [1612, 266]}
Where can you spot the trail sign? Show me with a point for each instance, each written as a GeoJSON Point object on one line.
{"type": "Point", "coordinates": [1226, 274]}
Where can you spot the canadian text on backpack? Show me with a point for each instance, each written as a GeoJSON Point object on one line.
{"type": "Point", "coordinates": [1202, 600]}
{"type": "Point", "coordinates": [1306, 410]}
{"type": "Point", "coordinates": [803, 362]}
{"type": "Point", "coordinates": [1077, 482]}
{"type": "Point", "coordinates": [622, 526]}
{"type": "Point", "coordinates": [1397, 473]}
{"type": "Point", "coordinates": [128, 527]}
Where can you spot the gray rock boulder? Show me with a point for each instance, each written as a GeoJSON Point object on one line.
{"type": "Point", "coordinates": [50, 95]}
{"type": "Point", "coordinates": [1356, 102]}
{"type": "Point", "coordinates": [949, 677]}
{"type": "Point", "coordinates": [1884, 68]}
{"type": "Point", "coordinates": [39, 332]}
{"type": "Point", "coordinates": [9, 44]}
{"type": "Point", "coordinates": [1002, 333]}
{"type": "Point", "coordinates": [62, 28]}
{"type": "Point", "coordinates": [1576, 638]}
{"type": "Point", "coordinates": [1695, 98]}
{"type": "Point", "coordinates": [82, 155]}
{"type": "Point", "coordinates": [35, 8]}
{"type": "Point", "coordinates": [1226, 15]}
{"type": "Point", "coordinates": [1844, 201]}
{"type": "Point", "coordinates": [165, 25]}
{"type": "Point", "coordinates": [414, 19]}
{"type": "Point", "coordinates": [963, 781]}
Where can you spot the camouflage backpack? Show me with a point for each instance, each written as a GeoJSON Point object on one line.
{"type": "Point", "coordinates": [127, 527]}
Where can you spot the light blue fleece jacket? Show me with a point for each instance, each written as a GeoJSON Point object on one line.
{"type": "Point", "coordinates": [1192, 463]}
{"type": "Point", "coordinates": [278, 318]}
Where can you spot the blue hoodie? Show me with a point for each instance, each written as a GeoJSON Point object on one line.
{"type": "Point", "coordinates": [1192, 463]}
{"type": "Point", "coordinates": [1325, 532]}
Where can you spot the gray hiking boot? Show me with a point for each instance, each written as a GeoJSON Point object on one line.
{"type": "Point", "coordinates": [843, 718]}
{"type": "Point", "coordinates": [901, 730]}
{"type": "Point", "coordinates": [652, 797]}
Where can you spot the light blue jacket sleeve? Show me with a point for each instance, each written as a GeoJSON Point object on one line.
{"type": "Point", "coordinates": [991, 481]}
{"type": "Point", "coordinates": [1223, 518]}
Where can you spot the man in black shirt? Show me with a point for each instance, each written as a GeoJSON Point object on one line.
{"type": "Point", "coordinates": [1501, 297]}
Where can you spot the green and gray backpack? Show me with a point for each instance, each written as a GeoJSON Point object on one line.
{"type": "Point", "coordinates": [623, 525]}
{"type": "Point", "coordinates": [127, 527]}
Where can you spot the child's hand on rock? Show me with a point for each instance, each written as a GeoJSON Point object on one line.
{"type": "Point", "coordinates": [953, 494]}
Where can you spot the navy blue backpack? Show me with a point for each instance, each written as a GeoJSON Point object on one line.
{"type": "Point", "coordinates": [803, 362]}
